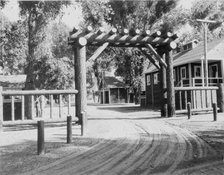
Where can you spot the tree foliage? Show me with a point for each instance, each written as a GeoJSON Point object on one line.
{"type": "Point", "coordinates": [151, 14]}
{"type": "Point", "coordinates": [37, 15]}
{"type": "Point", "coordinates": [212, 10]}
{"type": "Point", "coordinates": [13, 46]}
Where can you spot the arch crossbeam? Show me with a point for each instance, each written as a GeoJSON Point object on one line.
{"type": "Point", "coordinates": [123, 38]}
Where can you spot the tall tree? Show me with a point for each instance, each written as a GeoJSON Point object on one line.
{"type": "Point", "coordinates": [37, 15]}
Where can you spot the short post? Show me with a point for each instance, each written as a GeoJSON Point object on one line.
{"type": "Point", "coordinates": [83, 123]}
{"type": "Point", "coordinates": [69, 129]}
{"type": "Point", "coordinates": [40, 137]}
{"type": "Point", "coordinates": [189, 113]}
{"type": "Point", "coordinates": [214, 105]}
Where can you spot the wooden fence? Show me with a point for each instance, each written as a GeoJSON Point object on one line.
{"type": "Point", "coordinates": [201, 98]}
{"type": "Point", "coordinates": [16, 100]}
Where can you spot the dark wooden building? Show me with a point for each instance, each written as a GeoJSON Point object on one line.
{"type": "Point", "coordinates": [188, 71]}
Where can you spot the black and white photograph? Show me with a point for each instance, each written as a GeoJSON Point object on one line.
{"type": "Point", "coordinates": [111, 87]}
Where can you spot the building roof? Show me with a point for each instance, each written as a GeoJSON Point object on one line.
{"type": "Point", "coordinates": [12, 81]}
{"type": "Point", "coordinates": [113, 82]}
{"type": "Point", "coordinates": [215, 52]}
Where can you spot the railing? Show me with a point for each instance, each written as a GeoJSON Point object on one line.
{"type": "Point", "coordinates": [16, 102]}
{"type": "Point", "coordinates": [199, 97]}
{"type": "Point", "coordinates": [197, 81]}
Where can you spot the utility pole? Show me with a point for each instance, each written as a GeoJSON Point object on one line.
{"type": "Point", "coordinates": [205, 24]}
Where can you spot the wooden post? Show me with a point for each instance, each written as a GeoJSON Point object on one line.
{"type": "Point", "coordinates": [80, 76]}
{"type": "Point", "coordinates": [214, 106]}
{"type": "Point", "coordinates": [83, 123]}
{"type": "Point", "coordinates": [189, 113]}
{"type": "Point", "coordinates": [12, 108]}
{"type": "Point", "coordinates": [40, 137]}
{"type": "Point", "coordinates": [22, 110]}
{"type": "Point", "coordinates": [163, 85]}
{"type": "Point", "coordinates": [69, 129]}
{"type": "Point", "coordinates": [170, 84]}
{"type": "Point", "coordinates": [220, 97]}
{"type": "Point", "coordinates": [1, 109]}
{"type": "Point", "coordinates": [51, 106]}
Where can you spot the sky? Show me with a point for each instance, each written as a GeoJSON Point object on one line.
{"type": "Point", "coordinates": [72, 16]}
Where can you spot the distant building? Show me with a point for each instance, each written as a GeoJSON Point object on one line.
{"type": "Point", "coordinates": [115, 91]}
{"type": "Point", "coordinates": [12, 82]}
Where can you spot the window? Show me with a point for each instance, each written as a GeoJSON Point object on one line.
{"type": "Point", "coordinates": [156, 81]}
{"type": "Point", "coordinates": [148, 82]}
{"type": "Point", "coordinates": [197, 71]}
{"type": "Point", "coordinates": [213, 71]}
{"type": "Point", "coordinates": [183, 73]}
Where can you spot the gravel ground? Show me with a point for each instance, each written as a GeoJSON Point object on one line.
{"type": "Point", "coordinates": [112, 128]}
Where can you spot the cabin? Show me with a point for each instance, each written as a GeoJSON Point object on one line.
{"type": "Point", "coordinates": [12, 82]}
{"type": "Point", "coordinates": [188, 67]}
{"type": "Point", "coordinates": [114, 91]}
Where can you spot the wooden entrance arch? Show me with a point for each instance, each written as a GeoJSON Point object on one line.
{"type": "Point", "coordinates": [156, 46]}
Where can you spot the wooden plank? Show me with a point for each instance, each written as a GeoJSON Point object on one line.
{"type": "Point", "coordinates": [69, 104]}
{"type": "Point", "coordinates": [151, 59]}
{"type": "Point", "coordinates": [214, 96]}
{"type": "Point", "coordinates": [195, 88]}
{"type": "Point", "coordinates": [23, 107]}
{"type": "Point", "coordinates": [203, 99]}
{"type": "Point", "coordinates": [152, 50]}
{"type": "Point", "coordinates": [198, 99]}
{"type": "Point", "coordinates": [32, 107]}
{"type": "Point", "coordinates": [51, 106]}
{"type": "Point", "coordinates": [60, 106]}
{"type": "Point", "coordinates": [209, 99]}
{"type": "Point", "coordinates": [185, 99]}
{"type": "Point", "coordinates": [181, 105]}
{"type": "Point", "coordinates": [99, 51]}
{"type": "Point", "coordinates": [39, 92]}
{"type": "Point", "coordinates": [12, 108]}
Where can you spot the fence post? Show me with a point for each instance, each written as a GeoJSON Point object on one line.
{"type": "Point", "coordinates": [214, 105]}
{"type": "Point", "coordinates": [69, 129]}
{"type": "Point", "coordinates": [189, 113]}
{"type": "Point", "coordinates": [83, 123]}
{"type": "Point", "coordinates": [220, 97]}
{"type": "Point", "coordinates": [1, 109]}
{"type": "Point", "coordinates": [40, 137]}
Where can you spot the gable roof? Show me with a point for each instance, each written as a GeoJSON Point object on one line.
{"type": "Point", "coordinates": [215, 52]}
{"type": "Point", "coordinates": [12, 81]}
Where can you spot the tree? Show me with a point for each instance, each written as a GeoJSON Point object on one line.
{"type": "Point", "coordinates": [212, 10]}
{"type": "Point", "coordinates": [144, 15]}
{"type": "Point", "coordinates": [2, 3]}
{"type": "Point", "coordinates": [13, 46]}
{"type": "Point", "coordinates": [36, 14]}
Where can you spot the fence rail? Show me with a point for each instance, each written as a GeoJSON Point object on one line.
{"type": "Point", "coordinates": [199, 97]}
{"type": "Point", "coordinates": [16, 102]}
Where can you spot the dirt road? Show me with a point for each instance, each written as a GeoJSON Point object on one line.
{"type": "Point", "coordinates": [126, 140]}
